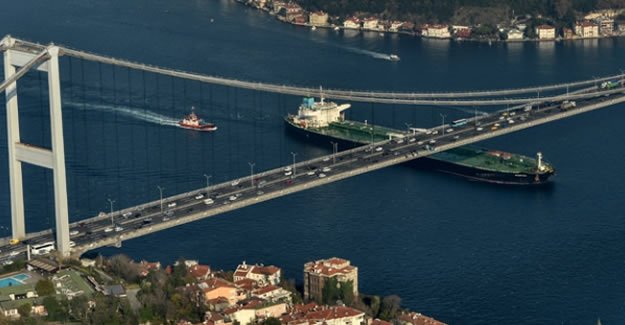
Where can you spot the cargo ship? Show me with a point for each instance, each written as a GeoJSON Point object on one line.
{"type": "Point", "coordinates": [325, 121]}
{"type": "Point", "coordinates": [193, 122]}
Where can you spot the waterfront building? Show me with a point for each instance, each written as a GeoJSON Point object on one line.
{"type": "Point", "coordinates": [329, 315]}
{"type": "Point", "coordinates": [546, 32]}
{"type": "Point", "coordinates": [436, 31]}
{"type": "Point", "coordinates": [461, 31]}
{"type": "Point", "coordinates": [395, 25]}
{"type": "Point", "coordinates": [200, 272]}
{"type": "Point", "coordinates": [417, 319]}
{"type": "Point", "coordinates": [318, 272]}
{"type": "Point", "coordinates": [606, 25]}
{"type": "Point", "coordinates": [272, 293]}
{"type": "Point", "coordinates": [586, 29]}
{"type": "Point", "coordinates": [352, 23]}
{"type": "Point", "coordinates": [263, 275]}
{"type": "Point", "coordinates": [318, 18]}
{"type": "Point", "coordinates": [215, 288]}
{"type": "Point", "coordinates": [568, 33]}
{"type": "Point", "coordinates": [370, 23]}
{"type": "Point", "coordinates": [515, 35]}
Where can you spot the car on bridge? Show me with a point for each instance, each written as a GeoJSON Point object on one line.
{"type": "Point", "coordinates": [172, 205]}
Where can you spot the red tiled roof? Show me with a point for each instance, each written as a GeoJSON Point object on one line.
{"type": "Point", "coordinates": [198, 271]}
{"type": "Point", "coordinates": [246, 284]}
{"type": "Point", "coordinates": [265, 270]}
{"type": "Point", "coordinates": [545, 27]}
{"type": "Point", "coordinates": [418, 319]}
{"type": "Point", "coordinates": [214, 283]}
{"type": "Point", "coordinates": [266, 289]}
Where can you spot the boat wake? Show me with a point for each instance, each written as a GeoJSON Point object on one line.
{"type": "Point", "coordinates": [375, 55]}
{"type": "Point", "coordinates": [131, 112]}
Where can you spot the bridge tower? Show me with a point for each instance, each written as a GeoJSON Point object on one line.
{"type": "Point", "coordinates": [19, 152]}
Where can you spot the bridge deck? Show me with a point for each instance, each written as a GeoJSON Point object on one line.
{"type": "Point", "coordinates": [147, 218]}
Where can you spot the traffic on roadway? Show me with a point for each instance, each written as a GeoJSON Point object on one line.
{"type": "Point", "coordinates": [228, 196]}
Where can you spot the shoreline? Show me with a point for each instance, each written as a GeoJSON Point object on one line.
{"type": "Point", "coordinates": [416, 34]}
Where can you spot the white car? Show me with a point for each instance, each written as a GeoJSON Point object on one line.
{"type": "Point", "coordinates": [199, 196]}
{"type": "Point", "coordinates": [14, 253]}
{"type": "Point", "coordinates": [74, 232]}
{"type": "Point", "coordinates": [232, 197]}
{"type": "Point", "coordinates": [456, 137]}
{"type": "Point", "coordinates": [209, 201]}
{"type": "Point", "coordinates": [287, 168]}
{"type": "Point", "coordinates": [235, 183]}
{"type": "Point", "coordinates": [72, 243]}
{"type": "Point", "coordinates": [127, 214]}
{"type": "Point", "coordinates": [326, 169]}
{"type": "Point", "coordinates": [289, 173]}
{"type": "Point", "coordinates": [511, 121]}
{"type": "Point", "coordinates": [322, 175]}
{"type": "Point", "coordinates": [412, 140]}
{"type": "Point", "coordinates": [450, 130]}
{"type": "Point", "coordinates": [420, 142]}
{"type": "Point", "coordinates": [400, 141]}
{"type": "Point", "coordinates": [260, 193]}
{"type": "Point", "coordinates": [378, 149]}
{"type": "Point", "coordinates": [435, 132]}
{"type": "Point", "coordinates": [432, 141]}
{"type": "Point", "coordinates": [108, 229]}
{"type": "Point", "coordinates": [172, 205]}
{"type": "Point", "coordinates": [480, 129]}
{"type": "Point", "coordinates": [326, 159]}
{"type": "Point", "coordinates": [311, 173]}
{"type": "Point", "coordinates": [7, 262]}
{"type": "Point", "coordinates": [119, 228]}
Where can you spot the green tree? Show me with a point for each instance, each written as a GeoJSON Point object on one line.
{"type": "Point", "coordinates": [271, 321]}
{"type": "Point", "coordinates": [390, 307]}
{"type": "Point", "coordinates": [24, 310]}
{"type": "Point", "coordinates": [330, 292]}
{"type": "Point", "coordinates": [347, 292]}
{"type": "Point", "coordinates": [44, 287]}
{"type": "Point", "coordinates": [57, 311]}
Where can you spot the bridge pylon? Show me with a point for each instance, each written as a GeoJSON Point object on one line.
{"type": "Point", "coordinates": [19, 152]}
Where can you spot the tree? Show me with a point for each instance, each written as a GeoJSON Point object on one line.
{"type": "Point", "coordinates": [45, 287]}
{"type": "Point", "coordinates": [57, 311]}
{"type": "Point", "coordinates": [562, 7]}
{"type": "Point", "coordinates": [24, 310]}
{"type": "Point", "coordinates": [271, 321]}
{"type": "Point", "coordinates": [347, 292]}
{"type": "Point", "coordinates": [390, 307]}
{"type": "Point", "coordinates": [123, 267]}
{"type": "Point", "coordinates": [79, 308]}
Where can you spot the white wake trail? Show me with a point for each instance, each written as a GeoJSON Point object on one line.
{"type": "Point", "coordinates": [136, 113]}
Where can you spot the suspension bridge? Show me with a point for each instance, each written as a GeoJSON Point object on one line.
{"type": "Point", "coordinates": [111, 229]}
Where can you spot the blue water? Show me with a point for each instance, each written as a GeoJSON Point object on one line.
{"type": "Point", "coordinates": [15, 280]}
{"type": "Point", "coordinates": [463, 252]}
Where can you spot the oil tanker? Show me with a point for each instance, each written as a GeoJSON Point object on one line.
{"type": "Point", "coordinates": [324, 121]}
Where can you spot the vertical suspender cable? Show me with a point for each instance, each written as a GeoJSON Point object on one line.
{"type": "Point", "coordinates": [145, 130]}
{"type": "Point", "coordinates": [85, 136]}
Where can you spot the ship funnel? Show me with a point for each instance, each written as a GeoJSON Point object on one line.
{"type": "Point", "coordinates": [321, 94]}
{"type": "Point", "coordinates": [539, 157]}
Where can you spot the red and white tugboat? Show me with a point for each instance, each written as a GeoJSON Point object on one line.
{"type": "Point", "coordinates": [193, 122]}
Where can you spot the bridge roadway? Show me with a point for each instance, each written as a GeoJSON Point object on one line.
{"type": "Point", "coordinates": [463, 98]}
{"type": "Point", "coordinates": [147, 218]}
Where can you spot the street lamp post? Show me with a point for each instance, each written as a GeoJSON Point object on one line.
{"type": "Point", "coordinates": [293, 154]}
{"type": "Point", "coordinates": [160, 189]}
{"type": "Point", "coordinates": [443, 123]}
{"type": "Point", "coordinates": [208, 182]}
{"type": "Point", "coordinates": [251, 172]}
{"type": "Point", "coordinates": [335, 149]}
{"type": "Point", "coordinates": [111, 203]}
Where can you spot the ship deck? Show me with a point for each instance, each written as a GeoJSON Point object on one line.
{"type": "Point", "coordinates": [468, 156]}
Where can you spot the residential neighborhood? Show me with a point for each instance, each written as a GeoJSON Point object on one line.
{"type": "Point", "coordinates": [189, 292]}
{"type": "Point", "coordinates": [596, 24]}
